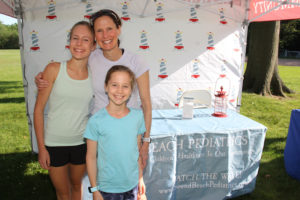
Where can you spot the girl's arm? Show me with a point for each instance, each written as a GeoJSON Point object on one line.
{"type": "Point", "coordinates": [50, 74]}
{"type": "Point", "coordinates": [141, 186]}
{"type": "Point", "coordinates": [144, 92]}
{"type": "Point", "coordinates": [91, 163]}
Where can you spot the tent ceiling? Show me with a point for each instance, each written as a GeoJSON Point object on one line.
{"type": "Point", "coordinates": [259, 10]}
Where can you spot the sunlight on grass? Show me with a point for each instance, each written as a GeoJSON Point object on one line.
{"type": "Point", "coordinates": [34, 168]}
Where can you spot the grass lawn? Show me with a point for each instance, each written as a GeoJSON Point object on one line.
{"type": "Point", "coordinates": [22, 178]}
{"type": "Point", "coordinates": [20, 174]}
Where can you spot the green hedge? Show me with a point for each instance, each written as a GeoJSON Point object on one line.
{"type": "Point", "coordinates": [9, 38]}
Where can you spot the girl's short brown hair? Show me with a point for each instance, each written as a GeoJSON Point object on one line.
{"type": "Point", "coordinates": [120, 68]}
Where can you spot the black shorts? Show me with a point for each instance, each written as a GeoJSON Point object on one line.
{"type": "Point", "coordinates": [62, 155]}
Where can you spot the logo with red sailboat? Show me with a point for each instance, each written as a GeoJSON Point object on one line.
{"type": "Point", "coordinates": [51, 10]}
{"type": "Point", "coordinates": [144, 41]}
{"type": "Point", "coordinates": [162, 69]}
{"type": "Point", "coordinates": [34, 41]}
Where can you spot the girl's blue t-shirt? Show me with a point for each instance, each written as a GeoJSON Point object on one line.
{"type": "Point", "coordinates": [117, 158]}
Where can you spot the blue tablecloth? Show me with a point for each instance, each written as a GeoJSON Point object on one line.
{"type": "Point", "coordinates": [201, 158]}
{"type": "Point", "coordinates": [292, 147]}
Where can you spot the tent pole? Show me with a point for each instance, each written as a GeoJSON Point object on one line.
{"type": "Point", "coordinates": [19, 13]}
{"type": "Point", "coordinates": [144, 9]}
{"type": "Point", "coordinates": [245, 25]}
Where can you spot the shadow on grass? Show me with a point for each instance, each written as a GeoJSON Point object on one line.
{"type": "Point", "coordinates": [10, 86]}
{"type": "Point", "coordinates": [16, 185]}
{"type": "Point", "coordinates": [273, 183]}
{"type": "Point", "coordinates": [7, 87]}
{"type": "Point", "coordinates": [269, 145]}
{"type": "Point", "coordinates": [13, 100]}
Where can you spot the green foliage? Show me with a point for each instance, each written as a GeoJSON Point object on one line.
{"type": "Point", "coordinates": [20, 174]}
{"type": "Point", "coordinates": [290, 35]}
{"type": "Point", "coordinates": [272, 182]}
{"type": "Point", "coordinates": [9, 38]}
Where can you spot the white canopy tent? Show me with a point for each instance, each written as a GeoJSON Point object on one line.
{"type": "Point", "coordinates": [188, 44]}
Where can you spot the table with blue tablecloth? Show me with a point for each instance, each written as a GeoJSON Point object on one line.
{"type": "Point", "coordinates": [292, 147]}
{"type": "Point", "coordinates": [202, 158]}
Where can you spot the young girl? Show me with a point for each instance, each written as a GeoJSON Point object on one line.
{"type": "Point", "coordinates": [62, 149]}
{"type": "Point", "coordinates": [113, 141]}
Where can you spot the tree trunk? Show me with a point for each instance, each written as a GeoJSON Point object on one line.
{"type": "Point", "coordinates": [261, 74]}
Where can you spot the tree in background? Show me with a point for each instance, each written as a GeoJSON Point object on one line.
{"type": "Point", "coordinates": [9, 38]}
{"type": "Point", "coordinates": [261, 74]}
{"type": "Point", "coordinates": [290, 35]}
